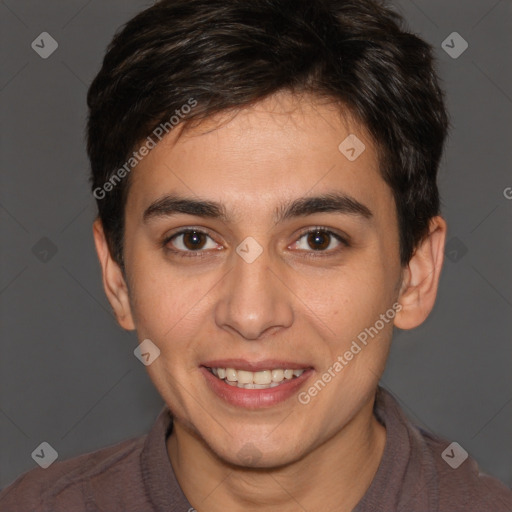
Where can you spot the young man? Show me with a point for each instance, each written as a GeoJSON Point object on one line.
{"type": "Point", "coordinates": [265, 174]}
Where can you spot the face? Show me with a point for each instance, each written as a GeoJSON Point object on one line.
{"type": "Point", "coordinates": [264, 278]}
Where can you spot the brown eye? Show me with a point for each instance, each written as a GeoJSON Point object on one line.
{"type": "Point", "coordinates": [194, 240]}
{"type": "Point", "coordinates": [190, 241]}
{"type": "Point", "coordinates": [319, 240]}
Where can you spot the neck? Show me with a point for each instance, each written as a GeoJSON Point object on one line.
{"type": "Point", "coordinates": [332, 476]}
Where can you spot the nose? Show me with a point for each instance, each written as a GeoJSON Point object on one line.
{"type": "Point", "coordinates": [253, 300]}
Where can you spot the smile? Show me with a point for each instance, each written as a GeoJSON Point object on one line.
{"type": "Point", "coordinates": [256, 380]}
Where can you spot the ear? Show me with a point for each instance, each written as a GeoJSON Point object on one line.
{"type": "Point", "coordinates": [420, 278]}
{"type": "Point", "coordinates": [113, 279]}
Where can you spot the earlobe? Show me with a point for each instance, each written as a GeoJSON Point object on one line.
{"type": "Point", "coordinates": [114, 283]}
{"type": "Point", "coordinates": [421, 277]}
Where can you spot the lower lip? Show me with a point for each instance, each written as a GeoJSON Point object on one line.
{"type": "Point", "coordinates": [254, 398]}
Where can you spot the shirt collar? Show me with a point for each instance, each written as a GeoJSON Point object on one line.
{"type": "Point", "coordinates": [399, 481]}
{"type": "Point", "coordinates": [160, 482]}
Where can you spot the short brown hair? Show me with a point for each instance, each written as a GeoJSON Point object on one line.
{"type": "Point", "coordinates": [227, 54]}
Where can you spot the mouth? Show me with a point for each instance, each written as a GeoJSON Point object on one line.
{"type": "Point", "coordinates": [262, 379]}
{"type": "Point", "coordinates": [255, 385]}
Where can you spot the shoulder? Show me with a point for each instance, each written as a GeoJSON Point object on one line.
{"type": "Point", "coordinates": [422, 471]}
{"type": "Point", "coordinates": [461, 483]}
{"type": "Point", "coordinates": [71, 484]}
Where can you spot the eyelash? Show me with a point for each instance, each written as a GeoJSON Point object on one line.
{"type": "Point", "coordinates": [309, 254]}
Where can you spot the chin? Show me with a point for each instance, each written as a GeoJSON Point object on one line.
{"type": "Point", "coordinates": [257, 455]}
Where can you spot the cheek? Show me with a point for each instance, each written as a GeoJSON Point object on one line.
{"type": "Point", "coordinates": [343, 293]}
{"type": "Point", "coordinates": [350, 301]}
{"type": "Point", "coordinates": [165, 304]}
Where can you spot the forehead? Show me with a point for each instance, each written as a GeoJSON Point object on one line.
{"type": "Point", "coordinates": [262, 156]}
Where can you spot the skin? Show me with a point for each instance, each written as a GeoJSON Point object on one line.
{"type": "Point", "coordinates": [319, 456]}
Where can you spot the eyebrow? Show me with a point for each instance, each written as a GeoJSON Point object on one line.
{"type": "Point", "coordinates": [335, 202]}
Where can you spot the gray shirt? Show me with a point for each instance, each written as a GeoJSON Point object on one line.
{"type": "Point", "coordinates": [136, 476]}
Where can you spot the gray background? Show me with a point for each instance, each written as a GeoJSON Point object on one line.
{"type": "Point", "coordinates": [68, 375]}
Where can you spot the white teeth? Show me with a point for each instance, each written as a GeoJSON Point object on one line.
{"type": "Point", "coordinates": [277, 375]}
{"type": "Point", "coordinates": [264, 377]}
{"type": "Point", "coordinates": [255, 380]}
{"type": "Point", "coordinates": [231, 374]}
{"type": "Point", "coordinates": [244, 377]}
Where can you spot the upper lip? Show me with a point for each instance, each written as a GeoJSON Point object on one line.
{"type": "Point", "coordinates": [255, 366]}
